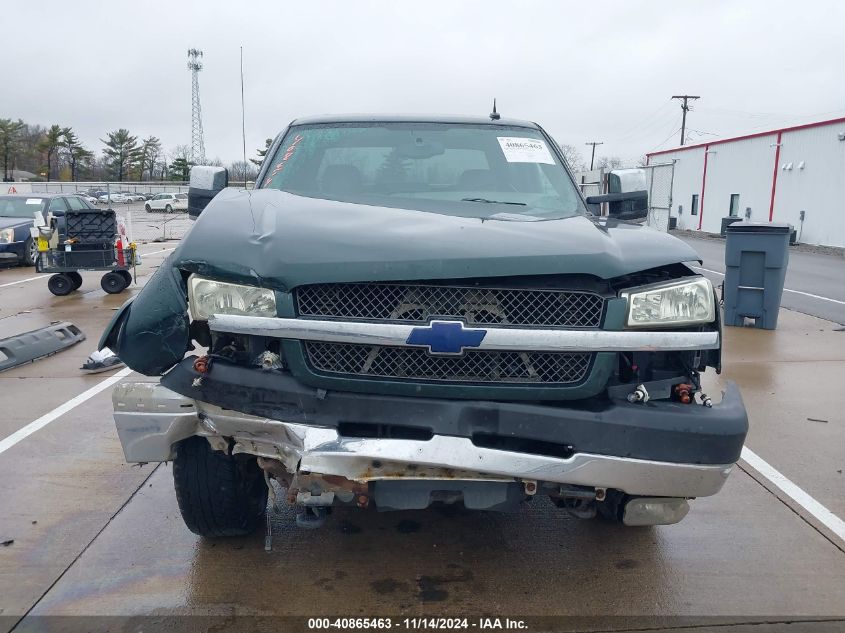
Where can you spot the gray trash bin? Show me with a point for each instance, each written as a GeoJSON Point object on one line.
{"type": "Point", "coordinates": [756, 256]}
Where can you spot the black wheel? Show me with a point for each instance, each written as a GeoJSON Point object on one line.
{"type": "Point", "coordinates": [113, 283]}
{"type": "Point", "coordinates": [126, 275]}
{"type": "Point", "coordinates": [148, 208]}
{"type": "Point", "coordinates": [168, 209]}
{"type": "Point", "coordinates": [60, 285]}
{"type": "Point", "coordinates": [218, 494]}
{"type": "Point", "coordinates": [76, 278]}
{"type": "Point", "coordinates": [30, 253]}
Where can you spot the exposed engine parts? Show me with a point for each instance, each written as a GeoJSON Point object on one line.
{"type": "Point", "coordinates": [640, 394]}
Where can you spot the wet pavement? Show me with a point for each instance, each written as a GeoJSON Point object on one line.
{"type": "Point", "coordinates": [95, 536]}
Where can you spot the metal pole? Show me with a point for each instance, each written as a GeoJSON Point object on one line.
{"type": "Point", "coordinates": [593, 153]}
{"type": "Point", "coordinates": [684, 109]}
{"type": "Point", "coordinates": [243, 113]}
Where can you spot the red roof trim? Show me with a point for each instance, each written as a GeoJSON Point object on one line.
{"type": "Point", "coordinates": [747, 136]}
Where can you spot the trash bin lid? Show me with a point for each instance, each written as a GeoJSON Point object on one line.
{"type": "Point", "coordinates": [759, 227]}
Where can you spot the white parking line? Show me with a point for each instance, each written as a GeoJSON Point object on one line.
{"type": "Point", "coordinates": [817, 510]}
{"type": "Point", "coordinates": [21, 281]}
{"type": "Point", "coordinates": [165, 250]}
{"type": "Point", "coordinates": [797, 292]}
{"type": "Point", "coordinates": [59, 411]}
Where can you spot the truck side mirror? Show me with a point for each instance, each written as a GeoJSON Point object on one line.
{"type": "Point", "coordinates": [630, 205]}
{"type": "Point", "coordinates": [205, 183]}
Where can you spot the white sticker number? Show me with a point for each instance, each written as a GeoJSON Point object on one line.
{"type": "Point", "coordinates": [525, 150]}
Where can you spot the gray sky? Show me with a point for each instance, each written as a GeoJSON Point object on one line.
{"type": "Point", "coordinates": [585, 71]}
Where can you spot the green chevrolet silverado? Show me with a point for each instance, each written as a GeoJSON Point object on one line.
{"type": "Point", "coordinates": [408, 311]}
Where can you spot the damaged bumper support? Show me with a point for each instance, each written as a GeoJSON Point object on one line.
{"type": "Point", "coordinates": [150, 419]}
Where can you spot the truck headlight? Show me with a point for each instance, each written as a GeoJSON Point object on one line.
{"type": "Point", "coordinates": [207, 297]}
{"type": "Point", "coordinates": [676, 303]}
{"type": "Point", "coordinates": [7, 236]}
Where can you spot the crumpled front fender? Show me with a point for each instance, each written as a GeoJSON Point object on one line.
{"type": "Point", "coordinates": [150, 333]}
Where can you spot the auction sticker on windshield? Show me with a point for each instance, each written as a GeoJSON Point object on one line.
{"type": "Point", "coordinates": [33, 200]}
{"type": "Point", "coordinates": [525, 150]}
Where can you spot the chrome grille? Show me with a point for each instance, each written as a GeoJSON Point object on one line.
{"type": "Point", "coordinates": [476, 366]}
{"type": "Point", "coordinates": [410, 303]}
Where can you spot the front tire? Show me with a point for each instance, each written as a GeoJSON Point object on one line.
{"type": "Point", "coordinates": [168, 209]}
{"type": "Point", "coordinates": [76, 278]}
{"type": "Point", "coordinates": [113, 283]}
{"type": "Point", "coordinates": [60, 284]}
{"type": "Point", "coordinates": [218, 494]}
{"type": "Point", "coordinates": [148, 208]}
{"type": "Point", "coordinates": [30, 253]}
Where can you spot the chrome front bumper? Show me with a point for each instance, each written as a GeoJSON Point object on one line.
{"type": "Point", "coordinates": [493, 339]}
{"type": "Point", "coordinates": [150, 419]}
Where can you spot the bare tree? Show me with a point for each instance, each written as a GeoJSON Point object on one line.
{"type": "Point", "coordinates": [150, 152]}
{"type": "Point", "coordinates": [608, 162]}
{"type": "Point", "coordinates": [240, 171]}
{"type": "Point", "coordinates": [572, 156]}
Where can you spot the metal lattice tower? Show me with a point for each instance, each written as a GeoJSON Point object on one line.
{"type": "Point", "coordinates": [197, 142]}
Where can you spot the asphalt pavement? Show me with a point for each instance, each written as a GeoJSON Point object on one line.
{"type": "Point", "coordinates": [90, 535]}
{"type": "Point", "coordinates": [815, 283]}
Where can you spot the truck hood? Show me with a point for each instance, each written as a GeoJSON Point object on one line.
{"type": "Point", "coordinates": [280, 240]}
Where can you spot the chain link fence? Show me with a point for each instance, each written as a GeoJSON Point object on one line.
{"type": "Point", "coordinates": [659, 181]}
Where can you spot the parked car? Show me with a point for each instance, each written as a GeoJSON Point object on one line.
{"type": "Point", "coordinates": [112, 198]}
{"type": "Point", "coordinates": [134, 196]}
{"type": "Point", "coordinates": [409, 311]}
{"type": "Point", "coordinates": [90, 199]}
{"type": "Point", "coordinates": [167, 202]}
{"type": "Point", "coordinates": [17, 213]}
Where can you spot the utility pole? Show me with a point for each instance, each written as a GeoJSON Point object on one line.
{"type": "Point", "coordinates": [593, 153]}
{"type": "Point", "coordinates": [684, 109]}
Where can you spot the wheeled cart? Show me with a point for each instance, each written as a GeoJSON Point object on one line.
{"type": "Point", "coordinates": [66, 264]}
{"type": "Point", "coordinates": [87, 239]}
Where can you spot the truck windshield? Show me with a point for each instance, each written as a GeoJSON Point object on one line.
{"type": "Point", "coordinates": [487, 171]}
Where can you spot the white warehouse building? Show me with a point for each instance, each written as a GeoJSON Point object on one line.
{"type": "Point", "coordinates": [794, 174]}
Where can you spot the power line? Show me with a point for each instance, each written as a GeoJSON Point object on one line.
{"type": "Point", "coordinates": [685, 108]}
{"type": "Point", "coordinates": [593, 154]}
{"type": "Point", "coordinates": [645, 125]}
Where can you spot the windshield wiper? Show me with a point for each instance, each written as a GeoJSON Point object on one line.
{"type": "Point", "coordinates": [522, 204]}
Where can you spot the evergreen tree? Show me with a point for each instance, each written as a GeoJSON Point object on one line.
{"type": "Point", "coordinates": [9, 139]}
{"type": "Point", "coordinates": [262, 153]}
{"type": "Point", "coordinates": [122, 153]}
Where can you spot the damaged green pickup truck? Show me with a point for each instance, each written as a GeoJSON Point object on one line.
{"type": "Point", "coordinates": [418, 310]}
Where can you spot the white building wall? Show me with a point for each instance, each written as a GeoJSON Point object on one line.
{"type": "Point", "coordinates": [746, 166]}
{"type": "Point", "coordinates": [818, 188]}
{"type": "Point", "coordinates": [741, 167]}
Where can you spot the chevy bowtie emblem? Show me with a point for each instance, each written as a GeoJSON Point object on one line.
{"type": "Point", "coordinates": [446, 337]}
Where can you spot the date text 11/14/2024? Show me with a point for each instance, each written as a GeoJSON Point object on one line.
{"type": "Point", "coordinates": [417, 624]}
